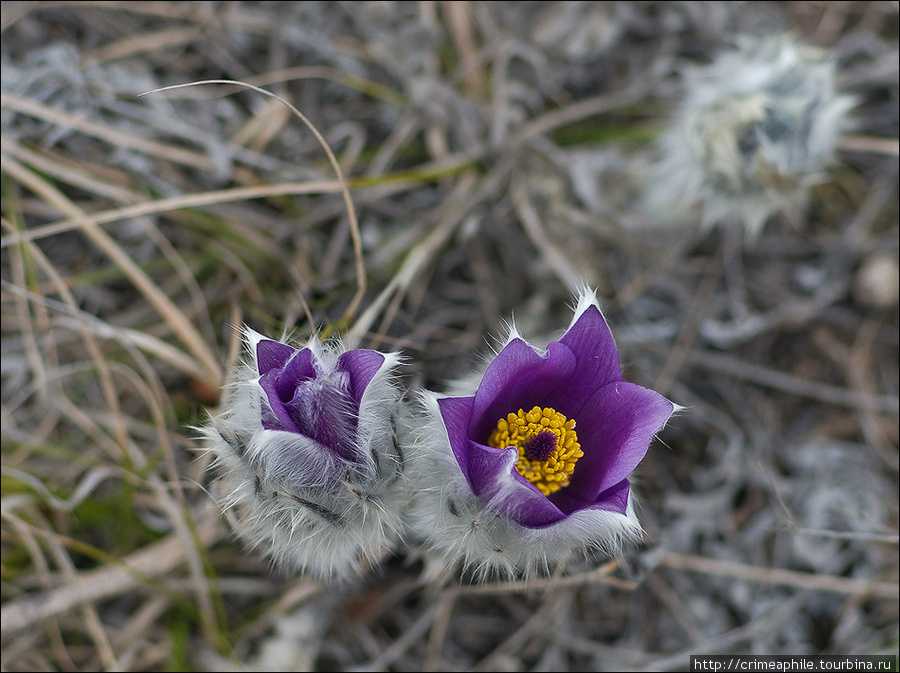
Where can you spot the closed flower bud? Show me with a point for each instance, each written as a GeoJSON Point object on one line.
{"type": "Point", "coordinates": [535, 465]}
{"type": "Point", "coordinates": [308, 455]}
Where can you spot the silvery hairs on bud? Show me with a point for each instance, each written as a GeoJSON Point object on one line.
{"type": "Point", "coordinates": [309, 461]}
{"type": "Point", "coordinates": [756, 129]}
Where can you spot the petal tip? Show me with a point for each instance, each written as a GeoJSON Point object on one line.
{"type": "Point", "coordinates": [587, 297]}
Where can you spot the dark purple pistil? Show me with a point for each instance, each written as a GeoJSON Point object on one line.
{"type": "Point", "coordinates": [539, 447]}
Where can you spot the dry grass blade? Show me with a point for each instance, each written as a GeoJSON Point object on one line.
{"type": "Point", "coordinates": [459, 18]}
{"type": "Point", "coordinates": [528, 632]}
{"type": "Point", "coordinates": [115, 138]}
{"type": "Point", "coordinates": [146, 342]}
{"type": "Point", "coordinates": [109, 391]}
{"type": "Point", "coordinates": [795, 385]}
{"type": "Point", "coordinates": [173, 203]}
{"type": "Point", "coordinates": [369, 87]}
{"type": "Point", "coordinates": [180, 324]}
{"type": "Point", "coordinates": [137, 44]}
{"type": "Point", "coordinates": [142, 567]}
{"type": "Point", "coordinates": [418, 258]}
{"type": "Point", "coordinates": [875, 145]}
{"type": "Point", "coordinates": [78, 177]}
{"type": "Point", "coordinates": [556, 260]}
{"type": "Point", "coordinates": [348, 202]}
{"type": "Point", "coordinates": [840, 585]}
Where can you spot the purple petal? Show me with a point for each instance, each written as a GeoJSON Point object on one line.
{"type": "Point", "coordinates": [518, 378]}
{"type": "Point", "coordinates": [323, 410]}
{"type": "Point", "coordinates": [614, 429]}
{"type": "Point", "coordinates": [361, 365]}
{"type": "Point", "coordinates": [278, 418]}
{"type": "Point", "coordinates": [456, 412]}
{"type": "Point", "coordinates": [272, 355]}
{"type": "Point", "coordinates": [486, 468]}
{"type": "Point", "coordinates": [613, 499]}
{"type": "Point", "coordinates": [485, 463]}
{"type": "Point", "coordinates": [280, 381]}
{"type": "Point", "coordinates": [598, 361]}
{"type": "Point", "coordinates": [298, 369]}
{"type": "Point", "coordinates": [494, 479]}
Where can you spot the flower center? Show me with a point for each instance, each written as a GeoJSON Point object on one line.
{"type": "Point", "coordinates": [547, 444]}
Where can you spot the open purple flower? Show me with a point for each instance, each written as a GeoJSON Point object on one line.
{"type": "Point", "coordinates": [309, 458]}
{"type": "Point", "coordinates": [543, 450]}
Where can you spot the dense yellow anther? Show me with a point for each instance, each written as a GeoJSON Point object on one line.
{"type": "Point", "coordinates": [523, 427]}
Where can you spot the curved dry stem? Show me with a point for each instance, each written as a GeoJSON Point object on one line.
{"type": "Point", "coordinates": [351, 211]}
{"type": "Point", "coordinates": [173, 203]}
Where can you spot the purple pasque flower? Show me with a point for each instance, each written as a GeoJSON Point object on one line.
{"type": "Point", "coordinates": [309, 454]}
{"type": "Point", "coordinates": [542, 451]}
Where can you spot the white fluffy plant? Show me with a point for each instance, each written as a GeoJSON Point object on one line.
{"type": "Point", "coordinates": [308, 455]}
{"type": "Point", "coordinates": [756, 130]}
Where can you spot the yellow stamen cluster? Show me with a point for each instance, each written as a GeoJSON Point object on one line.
{"type": "Point", "coordinates": [523, 428]}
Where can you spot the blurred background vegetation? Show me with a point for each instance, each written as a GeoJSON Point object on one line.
{"type": "Point", "coordinates": [491, 150]}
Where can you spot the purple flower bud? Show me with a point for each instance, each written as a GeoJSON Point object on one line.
{"type": "Point", "coordinates": [309, 454]}
{"type": "Point", "coordinates": [536, 462]}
